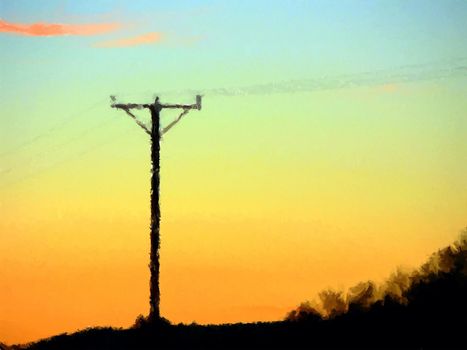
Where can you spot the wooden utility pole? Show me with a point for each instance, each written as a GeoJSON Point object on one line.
{"type": "Point", "coordinates": [155, 132]}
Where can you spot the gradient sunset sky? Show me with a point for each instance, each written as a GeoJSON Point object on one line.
{"type": "Point", "coordinates": [331, 149]}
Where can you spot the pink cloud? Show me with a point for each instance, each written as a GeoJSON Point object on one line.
{"type": "Point", "coordinates": [55, 29]}
{"type": "Point", "coordinates": [145, 39]}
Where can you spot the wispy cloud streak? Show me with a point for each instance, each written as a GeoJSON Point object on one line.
{"type": "Point", "coordinates": [387, 78]}
{"type": "Point", "coordinates": [145, 39]}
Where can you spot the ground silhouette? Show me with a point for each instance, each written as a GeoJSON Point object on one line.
{"type": "Point", "coordinates": [424, 309]}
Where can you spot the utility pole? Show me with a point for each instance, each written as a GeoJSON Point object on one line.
{"type": "Point", "coordinates": [155, 133]}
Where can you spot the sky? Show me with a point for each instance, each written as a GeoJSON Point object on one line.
{"type": "Point", "coordinates": [330, 150]}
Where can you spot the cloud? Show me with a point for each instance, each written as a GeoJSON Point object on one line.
{"type": "Point", "coordinates": [145, 39]}
{"type": "Point", "coordinates": [55, 29]}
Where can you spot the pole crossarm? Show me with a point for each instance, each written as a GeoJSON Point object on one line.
{"type": "Point", "coordinates": [156, 106]}
{"type": "Point", "coordinates": [193, 106]}
{"type": "Point", "coordinates": [196, 105]}
{"type": "Point", "coordinates": [130, 105]}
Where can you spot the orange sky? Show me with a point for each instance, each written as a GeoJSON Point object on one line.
{"type": "Point", "coordinates": [246, 234]}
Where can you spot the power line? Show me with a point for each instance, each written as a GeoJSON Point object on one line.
{"type": "Point", "coordinates": [69, 141]}
{"type": "Point", "coordinates": [444, 69]}
{"type": "Point", "coordinates": [57, 127]}
{"type": "Point", "coordinates": [402, 74]}
{"type": "Point", "coordinates": [75, 138]}
{"type": "Point", "coordinates": [87, 150]}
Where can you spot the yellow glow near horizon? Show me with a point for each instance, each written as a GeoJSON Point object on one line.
{"type": "Point", "coordinates": [261, 209]}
